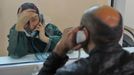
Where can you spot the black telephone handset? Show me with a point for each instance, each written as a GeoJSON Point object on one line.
{"type": "Point", "coordinates": [80, 37]}
{"type": "Point", "coordinates": [35, 33]}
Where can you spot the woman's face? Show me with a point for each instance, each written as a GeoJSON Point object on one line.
{"type": "Point", "coordinates": [33, 22]}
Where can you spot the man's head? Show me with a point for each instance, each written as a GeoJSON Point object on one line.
{"type": "Point", "coordinates": [104, 25]}
{"type": "Point", "coordinates": [34, 21]}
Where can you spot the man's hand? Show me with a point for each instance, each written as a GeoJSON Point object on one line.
{"type": "Point", "coordinates": [23, 18]}
{"type": "Point", "coordinates": [67, 42]}
{"type": "Point", "coordinates": [42, 35]}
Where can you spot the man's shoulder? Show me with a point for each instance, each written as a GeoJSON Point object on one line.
{"type": "Point", "coordinates": [78, 67]}
{"type": "Point", "coordinates": [128, 67]}
{"type": "Point", "coordinates": [130, 60]}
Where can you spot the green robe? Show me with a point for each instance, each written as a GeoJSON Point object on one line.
{"type": "Point", "coordinates": [21, 45]}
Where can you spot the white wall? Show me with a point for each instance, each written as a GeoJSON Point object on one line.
{"type": "Point", "coordinates": [126, 7]}
{"type": "Point", "coordinates": [129, 13]}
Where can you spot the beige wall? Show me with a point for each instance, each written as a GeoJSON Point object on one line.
{"type": "Point", "coordinates": [63, 13]}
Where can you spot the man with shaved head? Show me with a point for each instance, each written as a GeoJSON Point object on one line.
{"type": "Point", "coordinates": [103, 27]}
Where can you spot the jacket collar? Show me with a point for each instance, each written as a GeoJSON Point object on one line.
{"type": "Point", "coordinates": [105, 49]}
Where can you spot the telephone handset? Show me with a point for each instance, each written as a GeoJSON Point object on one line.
{"type": "Point", "coordinates": [41, 19]}
{"type": "Point", "coordinates": [80, 36]}
{"type": "Point", "coordinates": [35, 33]}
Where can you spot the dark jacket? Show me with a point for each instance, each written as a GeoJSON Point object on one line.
{"type": "Point", "coordinates": [21, 45]}
{"type": "Point", "coordinates": [110, 60]}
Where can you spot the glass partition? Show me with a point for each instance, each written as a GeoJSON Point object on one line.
{"type": "Point", "coordinates": [17, 46]}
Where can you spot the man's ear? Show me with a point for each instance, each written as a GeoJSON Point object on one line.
{"type": "Point", "coordinates": [87, 33]}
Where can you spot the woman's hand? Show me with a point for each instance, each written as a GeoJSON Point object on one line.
{"type": "Point", "coordinates": [23, 18]}
{"type": "Point", "coordinates": [42, 35]}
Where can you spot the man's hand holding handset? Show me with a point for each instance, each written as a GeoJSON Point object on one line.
{"type": "Point", "coordinates": [72, 39]}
